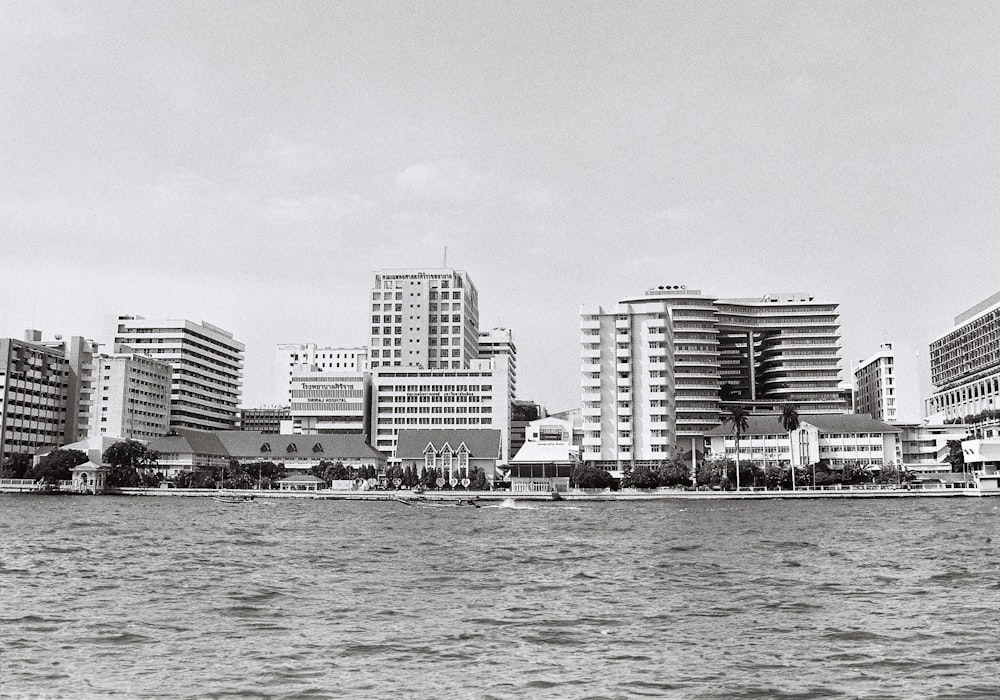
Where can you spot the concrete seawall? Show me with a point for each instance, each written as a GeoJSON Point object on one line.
{"type": "Point", "coordinates": [496, 496]}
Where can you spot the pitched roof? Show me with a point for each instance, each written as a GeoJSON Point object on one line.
{"type": "Point", "coordinates": [770, 424]}
{"type": "Point", "coordinates": [482, 443]}
{"type": "Point", "coordinates": [200, 442]}
{"type": "Point", "coordinates": [301, 479]}
{"type": "Point", "coordinates": [539, 452]}
{"type": "Point", "coordinates": [240, 444]}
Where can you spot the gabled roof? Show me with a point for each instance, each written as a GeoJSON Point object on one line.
{"type": "Point", "coordinates": [200, 442]}
{"type": "Point", "coordinates": [770, 424]}
{"type": "Point", "coordinates": [243, 445]}
{"type": "Point", "coordinates": [482, 444]}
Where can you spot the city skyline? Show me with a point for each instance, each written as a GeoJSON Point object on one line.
{"type": "Point", "coordinates": [253, 167]}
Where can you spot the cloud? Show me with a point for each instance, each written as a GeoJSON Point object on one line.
{"type": "Point", "coordinates": [440, 182]}
{"type": "Point", "coordinates": [328, 207]}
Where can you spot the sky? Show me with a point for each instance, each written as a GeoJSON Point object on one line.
{"type": "Point", "coordinates": [251, 164]}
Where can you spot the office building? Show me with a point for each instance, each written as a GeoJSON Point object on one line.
{"type": "Point", "coordinates": [322, 359]}
{"type": "Point", "coordinates": [327, 402]}
{"type": "Point", "coordinates": [965, 365]}
{"type": "Point", "coordinates": [885, 386]}
{"type": "Point", "coordinates": [659, 368]}
{"type": "Point", "coordinates": [473, 398]}
{"type": "Point", "coordinates": [427, 319]}
{"type": "Point", "coordinates": [130, 397]}
{"type": "Point", "coordinates": [500, 341]}
{"type": "Point", "coordinates": [34, 394]}
{"type": "Point", "coordinates": [206, 363]}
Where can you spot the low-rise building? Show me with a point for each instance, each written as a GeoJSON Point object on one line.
{"type": "Point", "coordinates": [836, 439]}
{"type": "Point", "coordinates": [190, 449]}
{"type": "Point", "coordinates": [454, 452]}
{"type": "Point", "coordinates": [550, 452]}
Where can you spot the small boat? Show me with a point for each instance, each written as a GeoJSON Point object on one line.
{"type": "Point", "coordinates": [442, 503]}
{"type": "Point", "coordinates": [231, 500]}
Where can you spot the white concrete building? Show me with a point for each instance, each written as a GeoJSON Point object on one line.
{"type": "Point", "coordinates": [131, 396]}
{"type": "Point", "coordinates": [965, 365]}
{"type": "Point", "coordinates": [886, 385]}
{"type": "Point", "coordinates": [428, 319]}
{"type": "Point", "coordinates": [328, 402]}
{"type": "Point", "coordinates": [837, 439]}
{"type": "Point", "coordinates": [206, 363]}
{"type": "Point", "coordinates": [476, 397]}
{"type": "Point", "coordinates": [500, 341]}
{"type": "Point", "coordinates": [628, 385]}
{"type": "Point", "coordinates": [323, 359]}
{"type": "Point", "coordinates": [923, 447]}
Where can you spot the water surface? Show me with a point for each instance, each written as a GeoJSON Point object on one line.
{"type": "Point", "coordinates": [181, 597]}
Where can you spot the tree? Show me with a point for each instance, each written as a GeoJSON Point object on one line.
{"type": "Point", "coordinates": [16, 466]}
{"type": "Point", "coordinates": [130, 453]}
{"type": "Point", "coordinates": [478, 479]}
{"type": "Point", "coordinates": [675, 472]}
{"type": "Point", "coordinates": [641, 478]}
{"type": "Point", "coordinates": [737, 416]}
{"type": "Point", "coordinates": [955, 457]}
{"type": "Point", "coordinates": [587, 476]}
{"type": "Point", "coordinates": [57, 466]}
{"type": "Point", "coordinates": [789, 420]}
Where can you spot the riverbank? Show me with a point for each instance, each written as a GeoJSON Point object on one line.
{"type": "Point", "coordinates": [864, 492]}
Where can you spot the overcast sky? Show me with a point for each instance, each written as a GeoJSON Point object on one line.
{"type": "Point", "coordinates": [252, 164]}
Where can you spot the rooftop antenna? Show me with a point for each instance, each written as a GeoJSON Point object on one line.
{"type": "Point", "coordinates": [446, 257]}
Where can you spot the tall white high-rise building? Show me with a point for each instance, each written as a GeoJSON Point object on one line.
{"type": "Point", "coordinates": [885, 386]}
{"type": "Point", "coordinates": [628, 384]}
{"type": "Point", "coordinates": [130, 397]}
{"type": "Point", "coordinates": [320, 358]}
{"type": "Point", "coordinates": [427, 319]}
{"type": "Point", "coordinates": [500, 341]}
{"type": "Point", "coordinates": [659, 368]}
{"type": "Point", "coordinates": [206, 363]}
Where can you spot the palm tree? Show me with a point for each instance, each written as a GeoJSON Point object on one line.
{"type": "Point", "coordinates": [738, 417]}
{"type": "Point", "coordinates": [789, 420]}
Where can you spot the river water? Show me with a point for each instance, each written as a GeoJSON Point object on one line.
{"type": "Point", "coordinates": [184, 597]}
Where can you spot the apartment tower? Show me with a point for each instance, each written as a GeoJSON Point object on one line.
{"type": "Point", "coordinates": [206, 363]}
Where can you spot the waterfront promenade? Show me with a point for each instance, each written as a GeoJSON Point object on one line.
{"type": "Point", "coordinates": [825, 492]}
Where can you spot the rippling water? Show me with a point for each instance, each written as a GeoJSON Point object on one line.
{"type": "Point", "coordinates": [178, 597]}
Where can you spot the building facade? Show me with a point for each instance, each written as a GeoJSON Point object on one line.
{"type": "Point", "coordinates": [965, 365]}
{"type": "Point", "coordinates": [628, 385]}
{"type": "Point", "coordinates": [412, 399]}
{"type": "Point", "coordinates": [836, 439]}
{"type": "Point", "coordinates": [327, 402]}
{"type": "Point", "coordinates": [323, 359]}
{"type": "Point", "coordinates": [206, 363]}
{"type": "Point", "coordinates": [130, 398]}
{"type": "Point", "coordinates": [265, 419]}
{"type": "Point", "coordinates": [34, 394]}
{"type": "Point", "coordinates": [500, 341]}
{"type": "Point", "coordinates": [885, 386]}
{"type": "Point", "coordinates": [657, 368]}
{"type": "Point", "coordinates": [428, 319]}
